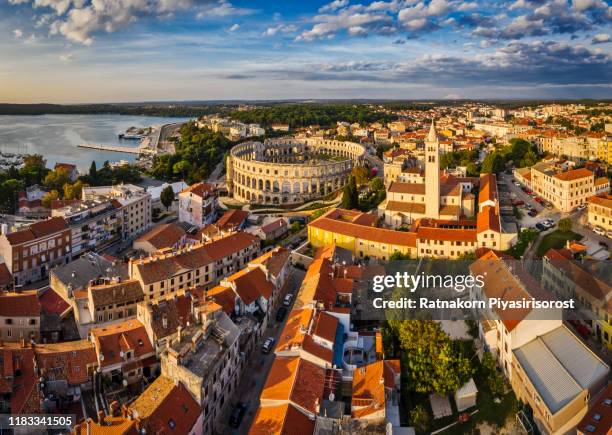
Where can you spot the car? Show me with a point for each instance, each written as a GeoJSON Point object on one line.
{"type": "Point", "coordinates": [237, 415]}
{"type": "Point", "coordinates": [280, 314]}
{"type": "Point", "coordinates": [267, 345]}
{"type": "Point", "coordinates": [532, 213]}
{"type": "Point", "coordinates": [599, 231]}
{"type": "Point", "coordinates": [604, 245]}
{"type": "Point", "coordinates": [609, 234]}
{"type": "Point", "coordinates": [288, 299]}
{"type": "Point", "coordinates": [548, 205]}
{"type": "Point", "coordinates": [519, 202]}
{"type": "Point", "coordinates": [581, 207]}
{"type": "Point", "coordinates": [517, 184]}
{"type": "Point", "coordinates": [540, 227]}
{"type": "Point", "coordinates": [538, 199]}
{"type": "Point", "coordinates": [548, 223]}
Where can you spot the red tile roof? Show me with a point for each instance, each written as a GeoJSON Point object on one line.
{"type": "Point", "coordinates": [283, 419]}
{"type": "Point", "coordinates": [203, 190]}
{"type": "Point", "coordinates": [66, 361]}
{"type": "Point", "coordinates": [223, 296]}
{"type": "Point", "coordinates": [163, 236]}
{"type": "Point", "coordinates": [574, 174]}
{"type": "Point", "coordinates": [251, 284]}
{"type": "Point", "coordinates": [325, 326]}
{"type": "Point", "coordinates": [407, 188]}
{"type": "Point", "coordinates": [22, 304]}
{"type": "Point", "coordinates": [368, 390]}
{"type": "Point", "coordinates": [231, 219]}
{"type": "Point", "coordinates": [488, 219]}
{"type": "Point", "coordinates": [37, 230]}
{"type": "Point", "coordinates": [52, 303]}
{"type": "Point", "coordinates": [111, 340]}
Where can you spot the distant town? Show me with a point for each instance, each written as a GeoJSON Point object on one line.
{"type": "Point", "coordinates": [218, 285]}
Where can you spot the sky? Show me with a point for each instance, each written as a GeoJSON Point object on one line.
{"type": "Point", "coordinates": [88, 51]}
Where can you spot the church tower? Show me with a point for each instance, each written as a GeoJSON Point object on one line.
{"type": "Point", "coordinates": [432, 174]}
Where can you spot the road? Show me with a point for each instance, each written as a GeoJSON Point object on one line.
{"type": "Point", "coordinates": [258, 367]}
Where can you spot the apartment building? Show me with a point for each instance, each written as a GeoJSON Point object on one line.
{"type": "Point", "coordinates": [564, 190]}
{"type": "Point", "coordinates": [20, 316]}
{"type": "Point", "coordinates": [198, 204]}
{"type": "Point", "coordinates": [585, 282]}
{"type": "Point", "coordinates": [198, 265]}
{"type": "Point", "coordinates": [135, 204]}
{"type": "Point", "coordinates": [599, 212]}
{"type": "Point", "coordinates": [123, 352]}
{"type": "Point", "coordinates": [161, 237]}
{"type": "Point", "coordinates": [30, 253]}
{"type": "Point", "coordinates": [206, 359]}
{"type": "Point", "coordinates": [94, 224]}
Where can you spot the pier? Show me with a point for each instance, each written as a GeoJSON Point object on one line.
{"type": "Point", "coordinates": [116, 148]}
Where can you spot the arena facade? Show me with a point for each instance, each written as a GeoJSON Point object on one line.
{"type": "Point", "coordinates": [290, 170]}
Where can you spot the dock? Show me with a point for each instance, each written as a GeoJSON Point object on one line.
{"type": "Point", "coordinates": [116, 148]}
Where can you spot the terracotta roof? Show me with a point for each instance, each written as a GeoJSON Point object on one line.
{"type": "Point", "coordinates": [66, 361]}
{"type": "Point", "coordinates": [250, 284]}
{"type": "Point", "coordinates": [52, 303]}
{"type": "Point", "coordinates": [295, 380]}
{"type": "Point", "coordinates": [296, 327]}
{"type": "Point", "coordinates": [391, 369]}
{"type": "Point", "coordinates": [224, 247]}
{"type": "Point", "coordinates": [61, 203]}
{"type": "Point", "coordinates": [368, 390]}
{"type": "Point", "coordinates": [273, 260]}
{"type": "Point", "coordinates": [380, 235]}
{"type": "Point", "coordinates": [128, 291]}
{"type": "Point", "coordinates": [231, 219]}
{"type": "Point", "coordinates": [506, 279]}
{"type": "Point", "coordinates": [166, 408]}
{"type": "Point", "coordinates": [601, 181]}
{"type": "Point", "coordinates": [203, 190]}
{"type": "Point", "coordinates": [447, 234]}
{"type": "Point", "coordinates": [488, 219]}
{"type": "Point", "coordinates": [112, 426]}
{"type": "Point", "coordinates": [283, 419]}
{"type": "Point", "coordinates": [37, 230]}
{"type": "Point", "coordinates": [22, 304]}
{"type": "Point", "coordinates": [224, 296]}
{"type": "Point", "coordinates": [25, 397]}
{"type": "Point", "coordinates": [168, 314]}
{"type": "Point", "coordinates": [405, 207]}
{"type": "Point", "coordinates": [325, 326]}
{"type": "Point", "coordinates": [313, 348]}
{"type": "Point", "coordinates": [163, 236]}
{"type": "Point", "coordinates": [605, 200]}
{"type": "Point", "coordinates": [574, 174]}
{"type": "Point", "coordinates": [68, 166]}
{"type": "Point", "coordinates": [408, 188]}
{"type": "Point", "coordinates": [120, 337]}
{"type": "Point", "coordinates": [274, 226]}
{"type": "Point", "coordinates": [488, 188]}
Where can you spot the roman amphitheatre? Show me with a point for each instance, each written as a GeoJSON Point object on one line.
{"type": "Point", "coordinates": [290, 171]}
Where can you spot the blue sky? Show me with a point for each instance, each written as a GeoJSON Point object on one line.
{"type": "Point", "coordinates": [72, 51]}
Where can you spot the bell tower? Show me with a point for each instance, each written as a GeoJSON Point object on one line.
{"type": "Point", "coordinates": [432, 174]}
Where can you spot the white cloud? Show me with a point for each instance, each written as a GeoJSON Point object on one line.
{"type": "Point", "coordinates": [281, 28]}
{"type": "Point", "coordinates": [583, 5]}
{"type": "Point", "coordinates": [328, 25]}
{"type": "Point", "coordinates": [17, 33]}
{"type": "Point", "coordinates": [333, 6]}
{"type": "Point", "coordinates": [67, 57]}
{"type": "Point", "coordinates": [222, 8]}
{"type": "Point", "coordinates": [601, 38]}
{"type": "Point", "coordinates": [234, 27]}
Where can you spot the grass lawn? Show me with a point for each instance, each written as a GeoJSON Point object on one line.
{"type": "Point", "coordinates": [555, 240]}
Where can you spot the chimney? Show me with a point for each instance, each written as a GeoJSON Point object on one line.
{"type": "Point", "coordinates": [101, 418]}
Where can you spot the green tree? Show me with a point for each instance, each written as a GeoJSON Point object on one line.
{"type": "Point", "coordinates": [432, 363]}
{"type": "Point", "coordinates": [8, 195]}
{"type": "Point", "coordinates": [361, 174]}
{"type": "Point", "coordinates": [93, 170]}
{"type": "Point", "coordinates": [350, 195]}
{"type": "Point", "coordinates": [419, 418]}
{"type": "Point", "coordinates": [398, 256]}
{"type": "Point", "coordinates": [74, 191]}
{"type": "Point", "coordinates": [49, 197]}
{"type": "Point", "coordinates": [55, 180]}
{"type": "Point", "coordinates": [493, 163]}
{"type": "Point", "coordinates": [376, 184]}
{"type": "Point", "coordinates": [167, 196]}
{"type": "Point", "coordinates": [565, 225]}
{"type": "Point", "coordinates": [181, 168]}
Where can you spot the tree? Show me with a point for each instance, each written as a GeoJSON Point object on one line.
{"type": "Point", "coordinates": [8, 195]}
{"type": "Point", "coordinates": [55, 180]}
{"type": "Point", "coordinates": [493, 163]}
{"type": "Point", "coordinates": [419, 418]}
{"type": "Point", "coordinates": [350, 195]}
{"type": "Point", "coordinates": [74, 191]}
{"type": "Point", "coordinates": [181, 168]}
{"type": "Point", "coordinates": [167, 196]}
{"type": "Point", "coordinates": [565, 225]}
{"type": "Point", "coordinates": [376, 184]}
{"type": "Point", "coordinates": [433, 363]}
{"type": "Point", "coordinates": [49, 197]}
{"type": "Point", "coordinates": [361, 174]}
{"type": "Point", "coordinates": [93, 171]}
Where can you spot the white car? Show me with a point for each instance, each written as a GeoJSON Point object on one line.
{"type": "Point", "coordinates": [581, 207]}
{"type": "Point", "coordinates": [599, 231]}
{"type": "Point", "coordinates": [517, 184]}
{"type": "Point", "coordinates": [288, 299]}
{"type": "Point", "coordinates": [609, 234]}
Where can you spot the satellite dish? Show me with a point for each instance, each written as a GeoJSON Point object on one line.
{"type": "Point", "coordinates": [332, 396]}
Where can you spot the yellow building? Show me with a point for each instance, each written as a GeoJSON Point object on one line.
{"type": "Point", "coordinates": [564, 190]}
{"type": "Point", "coordinates": [600, 211]}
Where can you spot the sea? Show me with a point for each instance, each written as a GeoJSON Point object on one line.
{"type": "Point", "coordinates": [56, 136]}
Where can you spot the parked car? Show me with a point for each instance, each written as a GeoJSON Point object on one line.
{"type": "Point", "coordinates": [288, 299]}
{"type": "Point", "coordinates": [540, 227]}
{"type": "Point", "coordinates": [266, 347]}
{"type": "Point", "coordinates": [280, 314]}
{"type": "Point", "coordinates": [548, 205]}
{"type": "Point", "coordinates": [532, 213]}
{"type": "Point", "coordinates": [581, 207]}
{"type": "Point", "coordinates": [517, 184]}
{"type": "Point", "coordinates": [599, 231]}
{"type": "Point", "coordinates": [519, 202]}
{"type": "Point", "coordinates": [538, 199]}
{"type": "Point", "coordinates": [237, 415]}
{"type": "Point", "coordinates": [604, 245]}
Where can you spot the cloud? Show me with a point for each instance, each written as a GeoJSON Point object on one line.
{"type": "Point", "coordinates": [80, 20]}
{"type": "Point", "coordinates": [353, 17]}
{"type": "Point", "coordinates": [333, 6]}
{"type": "Point", "coordinates": [17, 33]}
{"type": "Point", "coordinates": [67, 57]}
{"type": "Point", "coordinates": [583, 5]}
{"type": "Point", "coordinates": [600, 38]}
{"type": "Point", "coordinates": [234, 27]}
{"type": "Point", "coordinates": [281, 28]}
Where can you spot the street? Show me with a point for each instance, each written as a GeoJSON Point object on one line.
{"type": "Point", "coordinates": [256, 370]}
